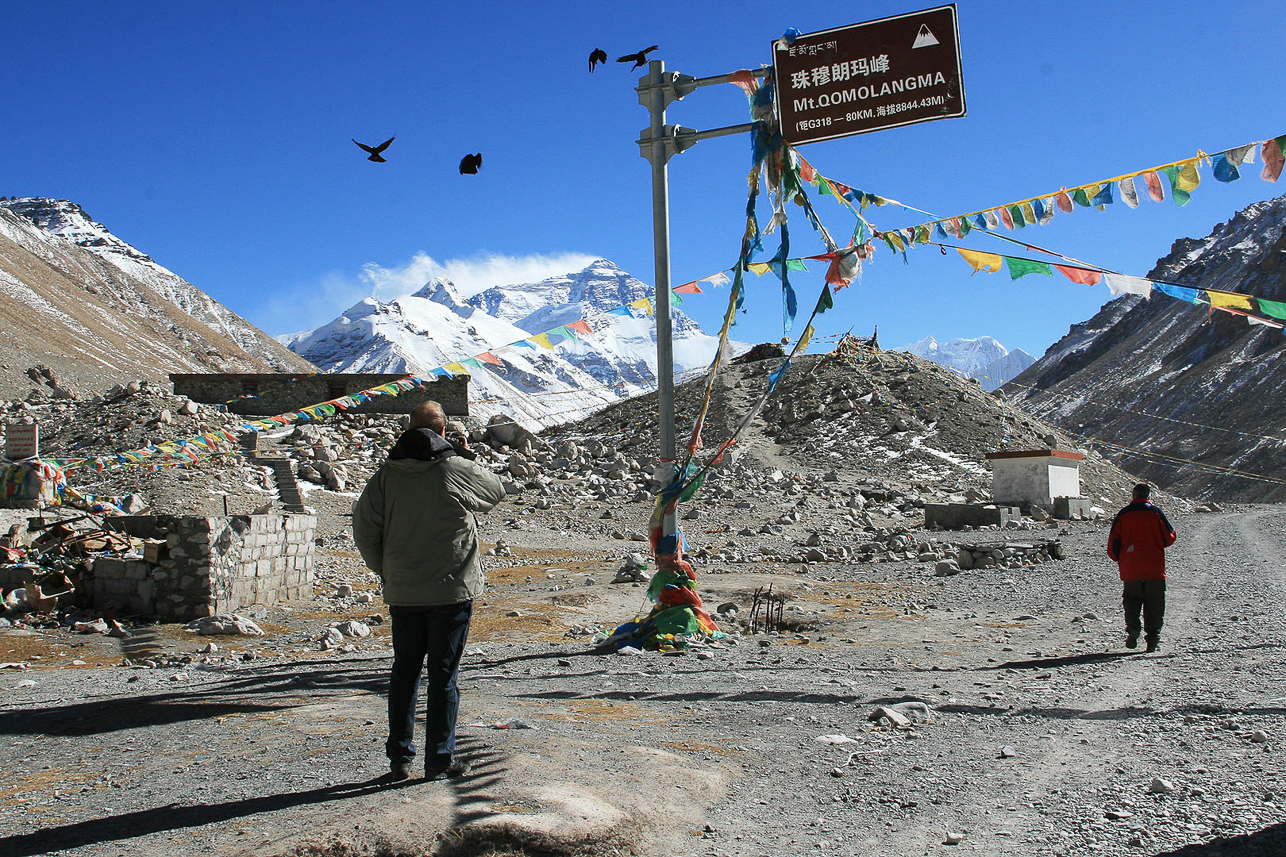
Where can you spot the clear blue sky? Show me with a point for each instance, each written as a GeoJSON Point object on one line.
{"type": "Point", "coordinates": [216, 137]}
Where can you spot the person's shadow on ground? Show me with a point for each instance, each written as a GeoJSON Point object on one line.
{"type": "Point", "coordinates": [132, 825]}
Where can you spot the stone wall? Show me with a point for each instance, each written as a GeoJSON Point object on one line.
{"type": "Point", "coordinates": [268, 394]}
{"type": "Point", "coordinates": [208, 565]}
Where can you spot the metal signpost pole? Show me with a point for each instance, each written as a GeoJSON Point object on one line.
{"type": "Point", "coordinates": [658, 143]}
{"type": "Point", "coordinates": [658, 152]}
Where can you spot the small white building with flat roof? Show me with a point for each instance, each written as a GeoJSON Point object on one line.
{"type": "Point", "coordinates": [1034, 477]}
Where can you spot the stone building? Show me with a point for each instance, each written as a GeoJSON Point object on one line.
{"type": "Point", "coordinates": [262, 395]}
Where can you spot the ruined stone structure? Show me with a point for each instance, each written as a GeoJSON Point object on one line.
{"type": "Point", "coordinates": [262, 395]}
{"type": "Point", "coordinates": [202, 566]}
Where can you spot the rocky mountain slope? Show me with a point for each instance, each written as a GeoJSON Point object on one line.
{"type": "Point", "coordinates": [983, 358]}
{"type": "Point", "coordinates": [95, 311]}
{"type": "Point", "coordinates": [1187, 398]}
{"type": "Point", "coordinates": [537, 386]}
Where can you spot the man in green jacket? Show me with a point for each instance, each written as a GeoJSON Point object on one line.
{"type": "Point", "coordinates": [414, 525]}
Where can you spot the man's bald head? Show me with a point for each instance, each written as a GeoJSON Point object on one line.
{"type": "Point", "coordinates": [429, 415]}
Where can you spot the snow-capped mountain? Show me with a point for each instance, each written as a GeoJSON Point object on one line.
{"type": "Point", "coordinates": [538, 386]}
{"type": "Point", "coordinates": [983, 358]}
{"type": "Point", "coordinates": [1173, 386]}
{"type": "Point", "coordinates": [97, 311]}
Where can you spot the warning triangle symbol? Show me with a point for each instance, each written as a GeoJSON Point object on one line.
{"type": "Point", "coordinates": [924, 38]}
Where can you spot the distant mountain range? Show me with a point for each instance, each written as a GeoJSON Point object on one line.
{"type": "Point", "coordinates": [539, 386]}
{"type": "Point", "coordinates": [1189, 399]}
{"type": "Point", "coordinates": [96, 311]}
{"type": "Point", "coordinates": [983, 358]}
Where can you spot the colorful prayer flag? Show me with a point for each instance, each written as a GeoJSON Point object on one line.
{"type": "Point", "coordinates": [990, 262]}
{"type": "Point", "coordinates": [1228, 300]}
{"type": "Point", "coordinates": [1084, 276]}
{"type": "Point", "coordinates": [1022, 267]}
{"type": "Point", "coordinates": [1121, 284]}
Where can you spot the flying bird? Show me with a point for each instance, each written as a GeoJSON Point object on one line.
{"type": "Point", "coordinates": [469, 164]}
{"type": "Point", "coordinates": [639, 59]}
{"type": "Point", "coordinates": [599, 55]}
{"type": "Point", "coordinates": [376, 150]}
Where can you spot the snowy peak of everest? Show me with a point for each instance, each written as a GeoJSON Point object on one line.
{"type": "Point", "coordinates": [442, 291]}
{"type": "Point", "coordinates": [983, 358]}
{"type": "Point", "coordinates": [539, 386]}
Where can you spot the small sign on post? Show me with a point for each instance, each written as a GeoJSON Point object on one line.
{"type": "Point", "coordinates": [868, 77]}
{"type": "Point", "coordinates": [22, 440]}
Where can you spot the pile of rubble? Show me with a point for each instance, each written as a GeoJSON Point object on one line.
{"type": "Point", "coordinates": [46, 573]}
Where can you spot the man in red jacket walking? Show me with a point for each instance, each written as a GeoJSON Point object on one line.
{"type": "Point", "coordinates": [1137, 542]}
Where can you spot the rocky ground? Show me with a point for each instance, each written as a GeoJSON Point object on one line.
{"type": "Point", "coordinates": [1028, 728]}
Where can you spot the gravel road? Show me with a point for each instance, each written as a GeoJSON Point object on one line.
{"type": "Point", "coordinates": [1043, 736]}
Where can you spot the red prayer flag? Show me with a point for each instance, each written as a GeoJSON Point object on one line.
{"type": "Point", "coordinates": [1273, 160]}
{"type": "Point", "coordinates": [582, 326]}
{"type": "Point", "coordinates": [1084, 276]}
{"type": "Point", "coordinates": [488, 357]}
{"type": "Point", "coordinates": [685, 289]}
{"type": "Point", "coordinates": [1155, 190]}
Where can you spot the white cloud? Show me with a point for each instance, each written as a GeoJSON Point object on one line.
{"type": "Point", "coordinates": [470, 275]}
{"type": "Point", "coordinates": [308, 306]}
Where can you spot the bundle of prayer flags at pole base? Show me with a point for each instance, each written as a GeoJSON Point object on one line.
{"type": "Point", "coordinates": [677, 617]}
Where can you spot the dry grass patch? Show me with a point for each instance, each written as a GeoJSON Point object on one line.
{"type": "Point", "coordinates": [536, 620]}
{"type": "Point", "coordinates": [693, 747]}
{"type": "Point", "coordinates": [599, 710]}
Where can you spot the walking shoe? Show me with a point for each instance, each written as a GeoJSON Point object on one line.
{"type": "Point", "coordinates": [398, 771]}
{"type": "Point", "coordinates": [453, 771]}
{"type": "Point", "coordinates": [1153, 645]}
{"type": "Point", "coordinates": [1131, 641]}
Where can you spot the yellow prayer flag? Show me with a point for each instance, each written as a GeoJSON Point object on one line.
{"type": "Point", "coordinates": [644, 304]}
{"type": "Point", "coordinates": [542, 339]}
{"type": "Point", "coordinates": [1029, 213]}
{"type": "Point", "coordinates": [1189, 178]}
{"type": "Point", "coordinates": [760, 268]}
{"type": "Point", "coordinates": [803, 340]}
{"type": "Point", "coordinates": [981, 261]}
{"type": "Point", "coordinates": [456, 369]}
{"type": "Point", "coordinates": [1230, 300]}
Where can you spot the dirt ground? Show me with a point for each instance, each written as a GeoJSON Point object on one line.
{"type": "Point", "coordinates": [1044, 735]}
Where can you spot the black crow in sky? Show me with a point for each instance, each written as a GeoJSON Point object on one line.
{"type": "Point", "coordinates": [469, 164]}
{"type": "Point", "coordinates": [639, 59]}
{"type": "Point", "coordinates": [599, 55]}
{"type": "Point", "coordinates": [376, 150]}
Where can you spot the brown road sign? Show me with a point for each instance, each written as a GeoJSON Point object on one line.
{"type": "Point", "coordinates": [868, 77]}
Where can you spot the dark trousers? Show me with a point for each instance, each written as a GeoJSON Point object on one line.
{"type": "Point", "coordinates": [1147, 596]}
{"type": "Point", "coordinates": [435, 634]}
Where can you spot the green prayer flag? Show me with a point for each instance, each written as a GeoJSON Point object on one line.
{"type": "Point", "coordinates": [922, 235]}
{"type": "Point", "coordinates": [826, 302]}
{"type": "Point", "coordinates": [824, 188]}
{"type": "Point", "coordinates": [1276, 309]}
{"type": "Point", "coordinates": [1178, 194]}
{"type": "Point", "coordinates": [1023, 267]}
{"type": "Point", "coordinates": [1016, 213]}
{"type": "Point", "coordinates": [1080, 197]}
{"type": "Point", "coordinates": [795, 265]}
{"type": "Point", "coordinates": [692, 488]}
